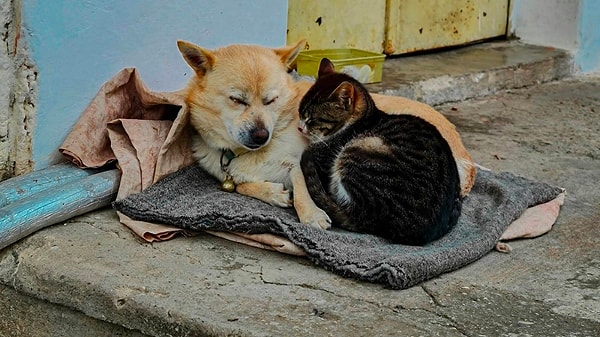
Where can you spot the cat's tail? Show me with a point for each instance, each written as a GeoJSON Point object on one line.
{"type": "Point", "coordinates": [455, 209]}
{"type": "Point", "coordinates": [450, 211]}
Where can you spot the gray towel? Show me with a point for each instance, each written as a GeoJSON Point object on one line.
{"type": "Point", "coordinates": [191, 199]}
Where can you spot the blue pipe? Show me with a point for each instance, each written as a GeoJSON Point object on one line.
{"type": "Point", "coordinates": [24, 186]}
{"type": "Point", "coordinates": [58, 202]}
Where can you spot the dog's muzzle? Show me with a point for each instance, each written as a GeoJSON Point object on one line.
{"type": "Point", "coordinates": [258, 138]}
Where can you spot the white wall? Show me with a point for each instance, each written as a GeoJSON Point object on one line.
{"type": "Point", "coordinates": [546, 22]}
{"type": "Point", "coordinates": [572, 25]}
{"type": "Point", "coordinates": [78, 45]}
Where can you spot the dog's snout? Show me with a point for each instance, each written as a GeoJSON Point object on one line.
{"type": "Point", "coordinates": [259, 136]}
{"type": "Point", "coordinates": [254, 136]}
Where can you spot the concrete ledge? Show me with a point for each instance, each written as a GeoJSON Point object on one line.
{"type": "Point", "coordinates": [24, 315]}
{"type": "Point", "coordinates": [473, 71]}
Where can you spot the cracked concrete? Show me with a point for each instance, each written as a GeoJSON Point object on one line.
{"type": "Point", "coordinates": [95, 273]}
{"type": "Point", "coordinates": [247, 290]}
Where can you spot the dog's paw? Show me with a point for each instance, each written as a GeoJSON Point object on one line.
{"type": "Point", "coordinates": [272, 193]}
{"type": "Point", "coordinates": [279, 196]}
{"type": "Point", "coordinates": [316, 218]}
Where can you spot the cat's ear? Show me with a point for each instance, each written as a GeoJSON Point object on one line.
{"type": "Point", "coordinates": [350, 98]}
{"type": "Point", "coordinates": [345, 95]}
{"type": "Point", "coordinates": [200, 60]}
{"type": "Point", "coordinates": [288, 54]}
{"type": "Point", "coordinates": [326, 67]}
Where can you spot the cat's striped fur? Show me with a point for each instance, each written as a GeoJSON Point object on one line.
{"type": "Point", "coordinates": [389, 175]}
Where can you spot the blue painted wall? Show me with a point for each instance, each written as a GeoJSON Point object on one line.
{"type": "Point", "coordinates": [588, 53]}
{"type": "Point", "coordinates": [78, 45]}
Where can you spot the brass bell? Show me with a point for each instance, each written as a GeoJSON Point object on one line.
{"type": "Point", "coordinates": [228, 185]}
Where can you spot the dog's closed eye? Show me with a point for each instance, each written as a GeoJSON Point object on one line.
{"type": "Point", "coordinates": [267, 101]}
{"type": "Point", "coordinates": [237, 100]}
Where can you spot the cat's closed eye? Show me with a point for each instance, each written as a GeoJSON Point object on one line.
{"type": "Point", "coordinates": [321, 120]}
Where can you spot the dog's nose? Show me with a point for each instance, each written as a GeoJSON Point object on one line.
{"type": "Point", "coordinates": [259, 136]}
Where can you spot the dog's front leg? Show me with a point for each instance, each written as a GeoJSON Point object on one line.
{"type": "Point", "coordinates": [271, 193]}
{"type": "Point", "coordinates": [308, 212]}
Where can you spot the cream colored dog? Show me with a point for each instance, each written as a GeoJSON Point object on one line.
{"type": "Point", "coordinates": [243, 105]}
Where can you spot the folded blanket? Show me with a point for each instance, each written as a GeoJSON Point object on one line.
{"type": "Point", "coordinates": [191, 199]}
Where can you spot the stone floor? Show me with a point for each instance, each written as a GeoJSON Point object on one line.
{"type": "Point", "coordinates": [91, 277]}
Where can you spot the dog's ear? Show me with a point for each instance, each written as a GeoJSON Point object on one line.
{"type": "Point", "coordinates": [288, 54]}
{"type": "Point", "coordinates": [201, 60]}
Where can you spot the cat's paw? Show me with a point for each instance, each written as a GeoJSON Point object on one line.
{"type": "Point", "coordinates": [317, 218]}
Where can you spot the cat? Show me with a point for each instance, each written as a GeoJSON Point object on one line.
{"type": "Point", "coordinates": [389, 175]}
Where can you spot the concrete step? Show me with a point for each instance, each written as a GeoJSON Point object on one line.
{"type": "Point", "coordinates": [472, 71]}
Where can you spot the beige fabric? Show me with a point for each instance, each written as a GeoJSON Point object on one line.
{"type": "Point", "coordinates": [535, 221]}
{"type": "Point", "coordinates": [264, 241]}
{"type": "Point", "coordinates": [147, 133]}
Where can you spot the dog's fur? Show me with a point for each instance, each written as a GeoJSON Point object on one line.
{"type": "Point", "coordinates": [242, 99]}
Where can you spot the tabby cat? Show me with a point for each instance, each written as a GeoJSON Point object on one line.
{"type": "Point", "coordinates": [389, 175]}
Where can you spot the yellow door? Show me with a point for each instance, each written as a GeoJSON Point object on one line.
{"type": "Point", "coordinates": [328, 24]}
{"type": "Point", "coordinates": [395, 26]}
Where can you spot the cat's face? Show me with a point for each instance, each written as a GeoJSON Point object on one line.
{"type": "Point", "coordinates": [328, 107]}
{"type": "Point", "coordinates": [331, 104]}
{"type": "Point", "coordinates": [321, 119]}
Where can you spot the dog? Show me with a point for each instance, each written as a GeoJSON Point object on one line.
{"type": "Point", "coordinates": [243, 107]}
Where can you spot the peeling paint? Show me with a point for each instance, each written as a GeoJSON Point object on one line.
{"type": "Point", "coordinates": [416, 26]}
{"type": "Point", "coordinates": [395, 26]}
{"type": "Point", "coordinates": [17, 96]}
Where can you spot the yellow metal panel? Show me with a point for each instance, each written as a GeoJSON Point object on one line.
{"type": "Point", "coordinates": [414, 25]}
{"type": "Point", "coordinates": [337, 23]}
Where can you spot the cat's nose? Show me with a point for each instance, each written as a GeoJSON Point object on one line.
{"type": "Point", "coordinates": [302, 127]}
